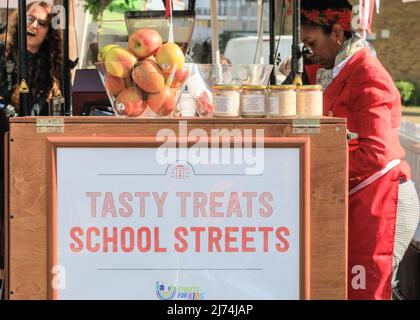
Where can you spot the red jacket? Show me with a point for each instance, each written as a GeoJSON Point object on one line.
{"type": "Point", "coordinates": [364, 93]}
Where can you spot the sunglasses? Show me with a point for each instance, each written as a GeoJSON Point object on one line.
{"type": "Point", "coordinates": [31, 19]}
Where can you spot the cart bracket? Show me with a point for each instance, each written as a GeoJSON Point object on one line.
{"type": "Point", "coordinates": [50, 125]}
{"type": "Point", "coordinates": [306, 126]}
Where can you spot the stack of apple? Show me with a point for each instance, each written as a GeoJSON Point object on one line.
{"type": "Point", "coordinates": [148, 74]}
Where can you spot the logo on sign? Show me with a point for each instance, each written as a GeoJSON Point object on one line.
{"type": "Point", "coordinates": [180, 170]}
{"type": "Point", "coordinates": [180, 293]}
{"type": "Point", "coordinates": [168, 294]}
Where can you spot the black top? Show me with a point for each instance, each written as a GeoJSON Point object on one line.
{"type": "Point", "coordinates": [38, 67]}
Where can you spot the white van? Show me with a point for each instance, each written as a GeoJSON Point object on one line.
{"type": "Point", "coordinates": [242, 50]}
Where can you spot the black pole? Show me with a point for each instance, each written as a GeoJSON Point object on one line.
{"type": "Point", "coordinates": [282, 19]}
{"type": "Point", "coordinates": [296, 52]}
{"type": "Point", "coordinates": [191, 5]}
{"type": "Point", "coordinates": [66, 63]}
{"type": "Point", "coordinates": [272, 60]}
{"type": "Point", "coordinates": [24, 96]}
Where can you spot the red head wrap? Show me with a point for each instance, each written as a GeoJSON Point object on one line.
{"type": "Point", "coordinates": [329, 17]}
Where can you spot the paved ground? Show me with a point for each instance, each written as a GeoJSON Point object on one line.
{"type": "Point", "coordinates": [415, 119]}
{"type": "Point", "coordinates": [411, 114]}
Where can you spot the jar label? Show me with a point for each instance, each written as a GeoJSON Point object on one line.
{"type": "Point", "coordinates": [274, 105]}
{"type": "Point", "coordinates": [253, 103]}
{"type": "Point", "coordinates": [226, 105]}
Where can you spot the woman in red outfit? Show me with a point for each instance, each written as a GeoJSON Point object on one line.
{"type": "Point", "coordinates": [357, 87]}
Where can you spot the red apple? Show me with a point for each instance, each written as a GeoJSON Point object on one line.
{"type": "Point", "coordinates": [130, 102]}
{"type": "Point", "coordinates": [179, 78]}
{"type": "Point", "coordinates": [149, 77]}
{"type": "Point", "coordinates": [144, 43]}
{"type": "Point", "coordinates": [114, 85]}
{"type": "Point", "coordinates": [162, 103]}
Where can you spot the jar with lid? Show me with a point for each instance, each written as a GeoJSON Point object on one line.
{"type": "Point", "coordinates": [282, 101]}
{"type": "Point", "coordinates": [253, 101]}
{"type": "Point", "coordinates": [226, 100]}
{"type": "Point", "coordinates": [309, 101]}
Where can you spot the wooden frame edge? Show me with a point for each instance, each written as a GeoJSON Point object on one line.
{"type": "Point", "coordinates": [51, 220]}
{"type": "Point", "coordinates": [346, 226]}
{"type": "Point", "coordinates": [303, 143]}
{"type": "Point", "coordinates": [306, 226]}
{"type": "Point", "coordinates": [6, 278]}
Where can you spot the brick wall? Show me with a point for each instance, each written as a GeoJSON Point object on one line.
{"type": "Point", "coordinates": [400, 53]}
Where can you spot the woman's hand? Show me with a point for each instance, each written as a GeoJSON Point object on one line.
{"type": "Point", "coordinates": [285, 66]}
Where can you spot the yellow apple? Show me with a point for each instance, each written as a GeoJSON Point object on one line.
{"type": "Point", "coordinates": [170, 55]}
{"type": "Point", "coordinates": [119, 62]}
{"type": "Point", "coordinates": [104, 51]}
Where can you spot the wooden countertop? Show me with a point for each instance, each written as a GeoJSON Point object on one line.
{"type": "Point", "coordinates": [193, 120]}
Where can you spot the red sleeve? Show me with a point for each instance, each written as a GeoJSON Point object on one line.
{"type": "Point", "coordinates": [311, 70]}
{"type": "Point", "coordinates": [373, 101]}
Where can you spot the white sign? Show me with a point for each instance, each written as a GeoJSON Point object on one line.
{"type": "Point", "coordinates": [130, 228]}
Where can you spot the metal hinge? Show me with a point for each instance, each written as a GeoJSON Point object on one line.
{"type": "Point", "coordinates": [50, 125]}
{"type": "Point", "coordinates": [306, 126]}
{"type": "Point", "coordinates": [352, 136]}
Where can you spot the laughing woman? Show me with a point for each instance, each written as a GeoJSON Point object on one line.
{"type": "Point", "coordinates": [44, 60]}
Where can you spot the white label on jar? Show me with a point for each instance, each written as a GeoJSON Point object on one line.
{"type": "Point", "coordinates": [226, 104]}
{"type": "Point", "coordinates": [253, 103]}
{"type": "Point", "coordinates": [309, 103]}
{"type": "Point", "coordinates": [188, 108]}
{"type": "Point", "coordinates": [274, 103]}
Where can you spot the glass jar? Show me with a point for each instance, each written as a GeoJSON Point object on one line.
{"type": "Point", "coordinates": [282, 101]}
{"type": "Point", "coordinates": [226, 100]}
{"type": "Point", "coordinates": [187, 106]}
{"type": "Point", "coordinates": [309, 101]}
{"type": "Point", "coordinates": [253, 101]}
